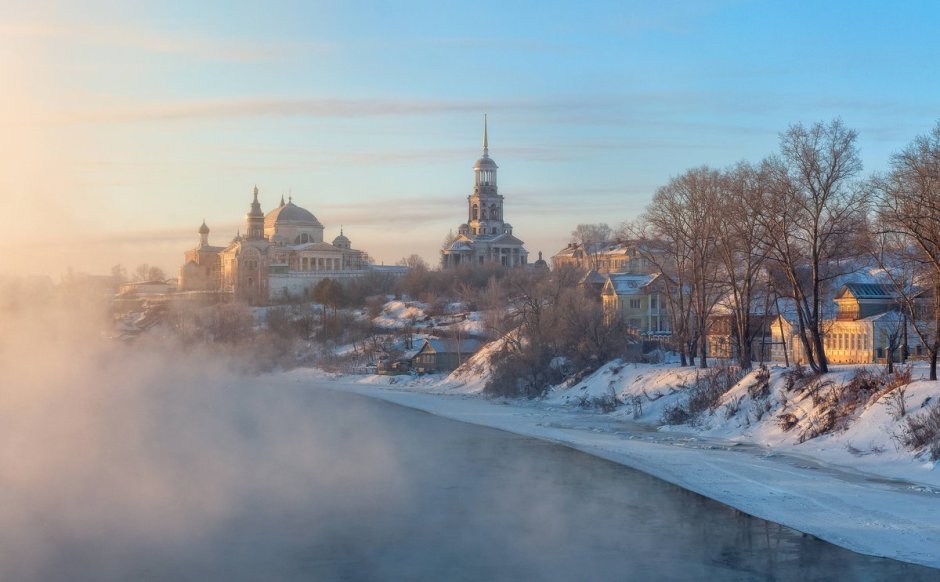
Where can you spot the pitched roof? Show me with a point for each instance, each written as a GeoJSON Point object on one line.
{"type": "Point", "coordinates": [507, 238]}
{"type": "Point", "coordinates": [630, 284]}
{"type": "Point", "coordinates": [868, 291]}
{"type": "Point", "coordinates": [450, 346]}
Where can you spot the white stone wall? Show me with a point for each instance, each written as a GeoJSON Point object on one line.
{"type": "Point", "coordinates": [295, 284]}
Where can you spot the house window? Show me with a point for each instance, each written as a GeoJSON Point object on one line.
{"type": "Point", "coordinates": [653, 302]}
{"type": "Point", "coordinates": [634, 304]}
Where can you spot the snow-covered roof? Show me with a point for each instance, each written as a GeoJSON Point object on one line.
{"type": "Point", "coordinates": [461, 245]}
{"type": "Point", "coordinates": [314, 246]}
{"type": "Point", "coordinates": [449, 346]}
{"type": "Point", "coordinates": [890, 316]}
{"type": "Point", "coordinates": [630, 284]}
{"type": "Point", "coordinates": [507, 238]}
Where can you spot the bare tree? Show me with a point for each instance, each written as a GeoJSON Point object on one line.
{"type": "Point", "coordinates": [741, 247]}
{"type": "Point", "coordinates": [414, 262]}
{"type": "Point", "coordinates": [684, 215]}
{"type": "Point", "coordinates": [592, 238]}
{"type": "Point", "coordinates": [145, 272]}
{"type": "Point", "coordinates": [909, 221]}
{"type": "Point", "coordinates": [672, 259]}
{"type": "Point", "coordinates": [815, 221]}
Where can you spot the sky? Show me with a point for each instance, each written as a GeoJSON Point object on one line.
{"type": "Point", "coordinates": [124, 124]}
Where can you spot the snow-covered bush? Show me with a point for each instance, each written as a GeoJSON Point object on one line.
{"type": "Point", "coordinates": [921, 432]}
{"type": "Point", "coordinates": [605, 402]}
{"type": "Point", "coordinates": [705, 394]}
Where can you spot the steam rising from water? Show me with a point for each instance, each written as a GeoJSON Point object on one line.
{"type": "Point", "coordinates": [112, 453]}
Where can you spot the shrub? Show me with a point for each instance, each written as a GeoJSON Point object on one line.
{"type": "Point", "coordinates": [732, 407]}
{"type": "Point", "coordinates": [606, 403]}
{"type": "Point", "coordinates": [637, 403]}
{"type": "Point", "coordinates": [704, 395]}
{"type": "Point", "coordinates": [760, 389]}
{"type": "Point", "coordinates": [676, 414]}
{"type": "Point", "coordinates": [921, 432]}
{"type": "Point", "coordinates": [522, 373]}
{"type": "Point", "coordinates": [897, 402]}
{"type": "Point", "coordinates": [895, 389]}
{"type": "Point", "coordinates": [787, 421]}
{"type": "Point", "coordinates": [794, 378]}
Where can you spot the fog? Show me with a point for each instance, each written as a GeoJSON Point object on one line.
{"type": "Point", "coordinates": [110, 452]}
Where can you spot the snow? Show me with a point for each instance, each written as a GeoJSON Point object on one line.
{"type": "Point", "coordinates": [854, 488]}
{"type": "Point", "coordinates": [400, 314]}
{"type": "Point", "coordinates": [413, 314]}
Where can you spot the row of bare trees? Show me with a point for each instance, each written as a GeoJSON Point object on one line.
{"type": "Point", "coordinates": [907, 235]}
{"type": "Point", "coordinates": [792, 224]}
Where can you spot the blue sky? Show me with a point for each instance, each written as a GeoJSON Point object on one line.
{"type": "Point", "coordinates": [127, 125]}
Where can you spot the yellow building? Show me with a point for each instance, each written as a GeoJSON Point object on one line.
{"type": "Point", "coordinates": [638, 301]}
{"type": "Point", "coordinates": [867, 326]}
{"type": "Point", "coordinates": [621, 256]}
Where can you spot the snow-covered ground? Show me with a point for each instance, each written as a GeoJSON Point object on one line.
{"type": "Point", "coordinates": [855, 487]}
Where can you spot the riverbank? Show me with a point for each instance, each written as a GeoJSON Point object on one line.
{"type": "Point", "coordinates": [865, 512]}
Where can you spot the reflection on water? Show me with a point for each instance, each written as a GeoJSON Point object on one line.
{"type": "Point", "coordinates": [397, 494]}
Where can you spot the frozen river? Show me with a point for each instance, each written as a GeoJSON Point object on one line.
{"type": "Point", "coordinates": [344, 487]}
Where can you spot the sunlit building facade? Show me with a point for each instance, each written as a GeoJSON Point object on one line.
{"type": "Point", "coordinates": [281, 256]}
{"type": "Point", "coordinates": [486, 236]}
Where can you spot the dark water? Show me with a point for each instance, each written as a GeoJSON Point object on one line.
{"type": "Point", "coordinates": [381, 492]}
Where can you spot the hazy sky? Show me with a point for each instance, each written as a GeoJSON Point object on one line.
{"type": "Point", "coordinates": [124, 124]}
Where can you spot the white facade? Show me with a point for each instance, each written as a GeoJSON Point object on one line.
{"type": "Point", "coordinates": [485, 237]}
{"type": "Point", "coordinates": [282, 256]}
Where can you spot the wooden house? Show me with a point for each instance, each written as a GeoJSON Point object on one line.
{"type": "Point", "coordinates": [443, 355]}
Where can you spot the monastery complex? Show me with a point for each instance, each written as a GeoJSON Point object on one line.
{"type": "Point", "coordinates": [282, 255]}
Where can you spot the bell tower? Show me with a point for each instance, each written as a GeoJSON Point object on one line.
{"type": "Point", "coordinates": [485, 205]}
{"type": "Point", "coordinates": [255, 219]}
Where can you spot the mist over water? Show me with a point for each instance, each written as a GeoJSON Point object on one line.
{"type": "Point", "coordinates": [110, 453]}
{"type": "Point", "coordinates": [156, 462]}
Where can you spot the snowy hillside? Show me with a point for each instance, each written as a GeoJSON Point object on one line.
{"type": "Point", "coordinates": [848, 416]}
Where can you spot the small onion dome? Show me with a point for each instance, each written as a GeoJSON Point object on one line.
{"type": "Point", "coordinates": [203, 229]}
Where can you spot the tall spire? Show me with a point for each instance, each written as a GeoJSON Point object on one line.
{"type": "Point", "coordinates": [486, 141]}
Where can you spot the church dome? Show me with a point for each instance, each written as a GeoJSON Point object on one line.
{"type": "Point", "coordinates": [291, 214]}
{"type": "Point", "coordinates": [204, 229]}
{"type": "Point", "coordinates": [485, 163]}
{"type": "Point", "coordinates": [341, 241]}
{"type": "Point", "coordinates": [541, 262]}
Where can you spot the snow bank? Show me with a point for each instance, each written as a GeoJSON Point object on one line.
{"type": "Point", "coordinates": [400, 314]}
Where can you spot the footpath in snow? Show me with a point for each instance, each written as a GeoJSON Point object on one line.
{"type": "Point", "coordinates": [849, 489]}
